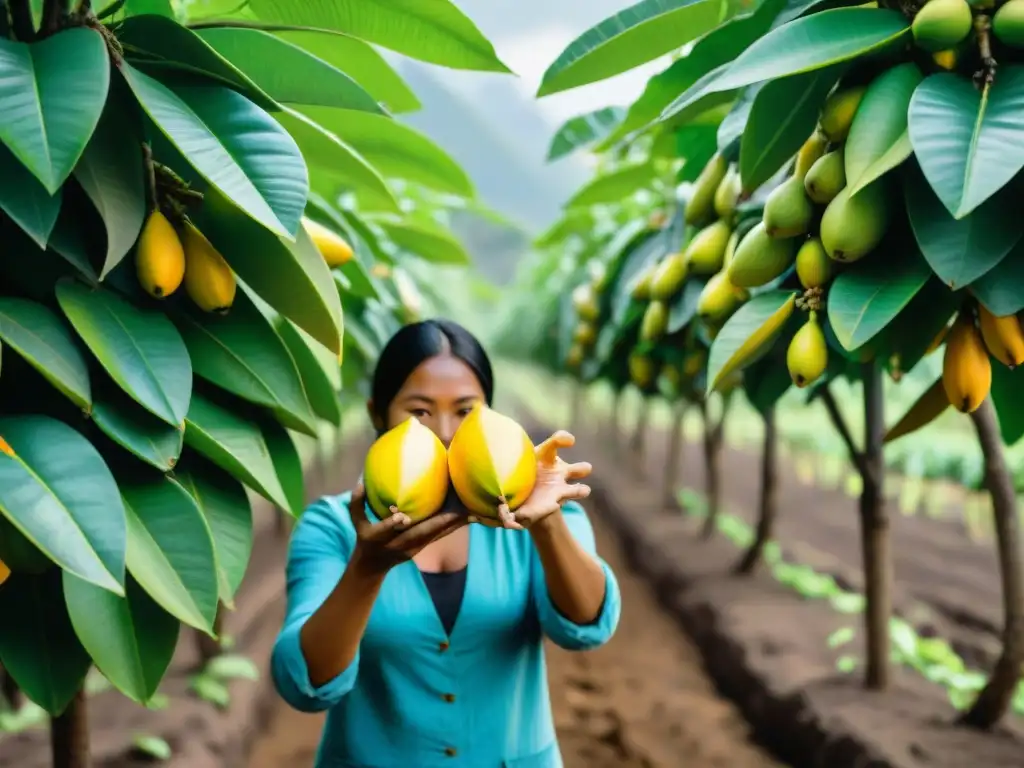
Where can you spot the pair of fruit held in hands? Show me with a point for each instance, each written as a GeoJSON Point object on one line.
{"type": "Point", "coordinates": [491, 464]}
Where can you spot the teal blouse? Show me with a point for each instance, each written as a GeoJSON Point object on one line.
{"type": "Point", "coordinates": [415, 697]}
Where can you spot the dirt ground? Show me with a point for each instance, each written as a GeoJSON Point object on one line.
{"type": "Point", "coordinates": [642, 701]}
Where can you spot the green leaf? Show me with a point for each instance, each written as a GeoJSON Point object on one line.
{"type": "Point", "coordinates": [111, 174]}
{"type": "Point", "coordinates": [878, 140]}
{"type": "Point", "coordinates": [234, 145]}
{"type": "Point", "coordinates": [25, 199]}
{"type": "Point", "coordinates": [135, 429]}
{"type": "Point", "coordinates": [333, 161]}
{"type": "Point", "coordinates": [766, 382]}
{"type": "Point", "coordinates": [614, 185]}
{"type": "Point", "coordinates": [40, 649]}
{"type": "Point", "coordinates": [436, 32]}
{"type": "Point", "coordinates": [432, 243]}
{"type": "Point", "coordinates": [781, 118]}
{"type": "Point", "coordinates": [286, 72]}
{"type": "Point", "coordinates": [633, 36]}
{"type": "Point", "coordinates": [57, 491]}
{"type": "Point", "coordinates": [42, 338]}
{"type": "Point", "coordinates": [863, 301]}
{"type": "Point", "coordinates": [1001, 289]}
{"type": "Point", "coordinates": [235, 444]}
{"type": "Point", "coordinates": [969, 143]}
{"type": "Point", "coordinates": [140, 349]}
{"type": "Point", "coordinates": [814, 42]}
{"type": "Point", "coordinates": [320, 370]}
{"type": "Point", "coordinates": [170, 551]}
{"type": "Point", "coordinates": [241, 353]}
{"type": "Point", "coordinates": [131, 639]}
{"type": "Point", "coordinates": [159, 45]}
{"type": "Point", "coordinates": [292, 277]}
{"type": "Point", "coordinates": [684, 306]}
{"type": "Point", "coordinates": [225, 505]}
{"type": "Point", "coordinates": [51, 109]}
{"type": "Point", "coordinates": [1006, 387]}
{"type": "Point", "coordinates": [960, 251]}
{"type": "Point", "coordinates": [395, 149]}
{"type": "Point", "coordinates": [360, 61]}
{"type": "Point", "coordinates": [584, 129]}
{"type": "Point", "coordinates": [749, 334]}
{"type": "Point", "coordinates": [287, 464]}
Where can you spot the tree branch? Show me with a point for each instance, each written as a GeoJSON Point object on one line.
{"type": "Point", "coordinates": [844, 432]}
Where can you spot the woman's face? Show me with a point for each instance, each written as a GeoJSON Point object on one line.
{"type": "Point", "coordinates": [440, 392]}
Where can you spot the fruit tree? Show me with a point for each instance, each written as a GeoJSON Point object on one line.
{"type": "Point", "coordinates": [811, 191]}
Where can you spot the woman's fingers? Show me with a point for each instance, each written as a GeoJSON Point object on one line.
{"type": "Point", "coordinates": [578, 471]}
{"type": "Point", "coordinates": [421, 533]}
{"type": "Point", "coordinates": [576, 492]}
{"type": "Point", "coordinates": [508, 520]}
{"type": "Point", "coordinates": [357, 509]}
{"type": "Point", "coordinates": [547, 452]}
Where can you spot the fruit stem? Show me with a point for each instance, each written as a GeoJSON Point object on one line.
{"type": "Point", "coordinates": [152, 203]}
{"type": "Point", "coordinates": [983, 29]}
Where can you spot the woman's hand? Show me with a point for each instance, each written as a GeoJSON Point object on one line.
{"type": "Point", "coordinates": [382, 545]}
{"type": "Point", "coordinates": [554, 485]}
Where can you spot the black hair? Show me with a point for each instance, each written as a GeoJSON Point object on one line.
{"type": "Point", "coordinates": [413, 344]}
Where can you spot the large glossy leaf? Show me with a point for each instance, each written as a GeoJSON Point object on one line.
{"type": "Point", "coordinates": [319, 369]}
{"type": "Point", "coordinates": [234, 444]}
{"type": "Point", "coordinates": [140, 349]}
{"type": "Point", "coordinates": [1006, 388]}
{"type": "Point", "coordinates": [287, 464]}
{"type": "Point", "coordinates": [360, 61]}
{"type": "Point", "coordinates": [970, 143]}
{"type": "Point", "coordinates": [286, 72]}
{"type": "Point", "coordinates": [45, 341]}
{"type": "Point", "coordinates": [395, 149]}
{"type": "Point", "coordinates": [25, 199]}
{"type": "Point", "coordinates": [241, 353]}
{"type": "Point", "coordinates": [58, 492]}
{"type": "Point", "coordinates": [781, 118]}
{"type": "Point", "coordinates": [170, 550]}
{"type": "Point", "coordinates": [135, 429]}
{"type": "Point", "coordinates": [878, 140]}
{"type": "Point", "coordinates": [684, 306]}
{"type": "Point", "coordinates": [50, 109]}
{"type": "Point", "coordinates": [336, 162]}
{"type": "Point", "coordinates": [1001, 289]}
{"type": "Point", "coordinates": [615, 185]}
{"type": "Point", "coordinates": [960, 251]}
{"type": "Point", "coordinates": [863, 301]}
{"type": "Point", "coordinates": [436, 32]}
{"type": "Point", "coordinates": [131, 639]}
{"type": "Point", "coordinates": [584, 129]}
{"type": "Point", "coordinates": [40, 649]}
{"type": "Point", "coordinates": [225, 505]}
{"type": "Point", "coordinates": [633, 36]}
{"type": "Point", "coordinates": [749, 334]}
{"type": "Point", "coordinates": [430, 242]}
{"type": "Point", "coordinates": [111, 175]}
{"type": "Point", "coordinates": [813, 42]}
{"type": "Point", "coordinates": [234, 145]}
{"type": "Point", "coordinates": [292, 277]}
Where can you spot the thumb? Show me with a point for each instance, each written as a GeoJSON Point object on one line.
{"type": "Point", "coordinates": [547, 452]}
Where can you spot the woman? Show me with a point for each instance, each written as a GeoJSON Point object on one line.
{"type": "Point", "coordinates": [424, 641]}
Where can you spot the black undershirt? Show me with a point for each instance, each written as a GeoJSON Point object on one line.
{"type": "Point", "coordinates": [446, 589]}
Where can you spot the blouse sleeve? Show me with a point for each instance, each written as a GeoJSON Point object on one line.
{"type": "Point", "coordinates": [561, 630]}
{"type": "Point", "coordinates": [320, 548]}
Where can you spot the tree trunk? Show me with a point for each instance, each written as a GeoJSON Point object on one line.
{"type": "Point", "coordinates": [769, 498]}
{"type": "Point", "coordinates": [638, 443]}
{"type": "Point", "coordinates": [876, 545]}
{"type": "Point", "coordinates": [9, 690]}
{"type": "Point", "coordinates": [69, 735]}
{"type": "Point", "coordinates": [674, 459]}
{"type": "Point", "coordinates": [712, 469]}
{"type": "Point", "coordinates": [210, 647]}
{"type": "Point", "coordinates": [995, 698]}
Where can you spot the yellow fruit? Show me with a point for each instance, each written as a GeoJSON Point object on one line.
{"type": "Point", "coordinates": [655, 321]}
{"type": "Point", "coordinates": [209, 281]}
{"type": "Point", "coordinates": [966, 367]}
{"type": "Point", "coordinates": [585, 334]}
{"type": "Point", "coordinates": [574, 357]}
{"type": "Point", "coordinates": [719, 299]}
{"type": "Point", "coordinates": [641, 370]}
{"type": "Point", "coordinates": [852, 227]}
{"type": "Point", "coordinates": [788, 212]}
{"type": "Point", "coordinates": [4, 572]}
{"type": "Point", "coordinates": [728, 193]}
{"type": "Point", "coordinates": [406, 468]}
{"type": "Point", "coordinates": [1002, 336]}
{"type": "Point", "coordinates": [929, 406]}
{"type": "Point", "coordinates": [332, 246]}
{"type": "Point", "coordinates": [706, 251]}
{"type": "Point", "coordinates": [813, 266]}
{"type": "Point", "coordinates": [807, 355]}
{"type": "Point", "coordinates": [701, 205]}
{"type": "Point", "coordinates": [809, 153]}
{"type": "Point", "coordinates": [759, 259]}
{"type": "Point", "coordinates": [159, 257]}
{"type": "Point", "coordinates": [826, 178]}
{"type": "Point", "coordinates": [585, 301]}
{"type": "Point", "coordinates": [669, 276]}
{"type": "Point", "coordinates": [1008, 24]}
{"type": "Point", "coordinates": [838, 111]}
{"type": "Point", "coordinates": [491, 458]}
{"type": "Point", "coordinates": [942, 24]}
{"type": "Point", "coordinates": [641, 290]}
{"type": "Point", "coordinates": [947, 59]}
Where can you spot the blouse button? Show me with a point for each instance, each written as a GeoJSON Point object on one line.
{"type": "Point", "coordinates": [450, 751]}
{"type": "Point", "coordinates": [443, 646]}
{"type": "Point", "coordinates": [449, 697]}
